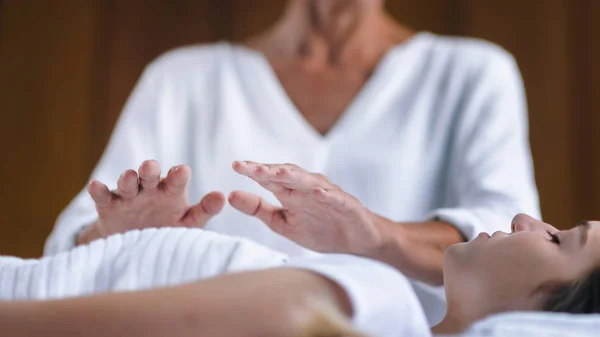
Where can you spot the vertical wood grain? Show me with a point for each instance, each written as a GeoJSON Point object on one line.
{"type": "Point", "coordinates": [67, 67]}
{"type": "Point", "coordinates": [45, 67]}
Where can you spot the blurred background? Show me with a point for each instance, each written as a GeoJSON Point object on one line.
{"type": "Point", "coordinates": [67, 67]}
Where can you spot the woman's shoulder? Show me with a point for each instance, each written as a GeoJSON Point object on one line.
{"type": "Point", "coordinates": [193, 59]}
{"type": "Point", "coordinates": [470, 61]}
{"type": "Point", "coordinates": [467, 50]}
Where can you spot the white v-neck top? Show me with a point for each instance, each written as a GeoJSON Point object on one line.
{"type": "Point", "coordinates": [439, 131]}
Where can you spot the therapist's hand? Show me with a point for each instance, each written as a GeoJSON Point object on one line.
{"type": "Point", "coordinates": [315, 213]}
{"type": "Point", "coordinates": [145, 200]}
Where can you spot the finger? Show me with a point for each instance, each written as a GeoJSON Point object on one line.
{"type": "Point", "coordinates": [250, 168]}
{"type": "Point", "coordinates": [127, 185]}
{"type": "Point", "coordinates": [263, 175]}
{"type": "Point", "coordinates": [256, 206]}
{"type": "Point", "coordinates": [100, 194]}
{"type": "Point", "coordinates": [244, 167]}
{"type": "Point", "coordinates": [320, 176]}
{"type": "Point", "coordinates": [209, 206]}
{"type": "Point", "coordinates": [333, 198]}
{"type": "Point", "coordinates": [299, 179]}
{"type": "Point", "coordinates": [177, 179]}
{"type": "Point", "coordinates": [289, 176]}
{"type": "Point", "coordinates": [149, 174]}
{"type": "Point", "coordinates": [258, 173]}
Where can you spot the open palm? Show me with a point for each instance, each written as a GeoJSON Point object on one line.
{"type": "Point", "coordinates": [315, 213]}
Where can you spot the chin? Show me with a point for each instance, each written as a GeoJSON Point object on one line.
{"type": "Point", "coordinates": [456, 254]}
{"type": "Point", "coordinates": [451, 254]}
{"type": "Point", "coordinates": [457, 248]}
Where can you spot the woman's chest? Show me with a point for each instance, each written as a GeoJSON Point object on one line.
{"type": "Point", "coordinates": [321, 97]}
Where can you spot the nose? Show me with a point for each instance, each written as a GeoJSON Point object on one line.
{"type": "Point", "coordinates": [523, 222]}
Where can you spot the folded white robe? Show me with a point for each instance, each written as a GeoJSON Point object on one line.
{"type": "Point", "coordinates": [382, 298]}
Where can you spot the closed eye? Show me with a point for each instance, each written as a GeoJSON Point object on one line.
{"type": "Point", "coordinates": [554, 238]}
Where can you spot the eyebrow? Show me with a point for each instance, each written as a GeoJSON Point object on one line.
{"type": "Point", "coordinates": [584, 227]}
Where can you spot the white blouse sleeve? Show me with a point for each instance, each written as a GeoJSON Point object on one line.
{"type": "Point", "coordinates": [382, 299]}
{"type": "Point", "coordinates": [133, 141]}
{"type": "Point", "coordinates": [491, 172]}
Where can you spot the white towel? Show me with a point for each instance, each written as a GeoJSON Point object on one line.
{"type": "Point", "coordinates": [381, 297]}
{"type": "Point", "coordinates": [536, 324]}
{"type": "Point", "coordinates": [132, 261]}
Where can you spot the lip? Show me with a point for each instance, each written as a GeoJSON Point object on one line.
{"type": "Point", "coordinates": [483, 235]}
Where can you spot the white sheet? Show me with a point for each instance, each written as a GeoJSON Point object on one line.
{"type": "Point", "coordinates": [535, 324]}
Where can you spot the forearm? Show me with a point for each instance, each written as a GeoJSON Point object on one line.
{"type": "Point", "coordinates": [249, 304]}
{"type": "Point", "coordinates": [417, 249]}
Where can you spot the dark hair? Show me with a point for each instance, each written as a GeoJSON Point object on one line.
{"type": "Point", "coordinates": [579, 297]}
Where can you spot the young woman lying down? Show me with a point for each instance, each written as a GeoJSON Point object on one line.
{"type": "Point", "coordinates": [536, 267]}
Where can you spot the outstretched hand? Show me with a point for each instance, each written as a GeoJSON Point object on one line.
{"type": "Point", "coordinates": [144, 200]}
{"type": "Point", "coordinates": [315, 213]}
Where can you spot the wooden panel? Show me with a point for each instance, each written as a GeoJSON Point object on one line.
{"type": "Point", "coordinates": [577, 30]}
{"type": "Point", "coordinates": [250, 17]}
{"type": "Point", "coordinates": [45, 67]}
{"type": "Point", "coordinates": [584, 87]}
{"type": "Point", "coordinates": [67, 67]}
{"type": "Point", "coordinates": [593, 89]}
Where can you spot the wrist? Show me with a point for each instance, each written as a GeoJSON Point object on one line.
{"type": "Point", "coordinates": [395, 246]}
{"type": "Point", "coordinates": [386, 238]}
{"type": "Point", "coordinates": [88, 234]}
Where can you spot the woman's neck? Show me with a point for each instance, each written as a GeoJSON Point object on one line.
{"type": "Point", "coordinates": [452, 324]}
{"type": "Point", "coordinates": [462, 312]}
{"type": "Point", "coordinates": [354, 35]}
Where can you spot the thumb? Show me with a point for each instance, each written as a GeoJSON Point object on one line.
{"type": "Point", "coordinates": [199, 214]}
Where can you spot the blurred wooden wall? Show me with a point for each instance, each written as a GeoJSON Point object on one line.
{"type": "Point", "coordinates": [66, 68]}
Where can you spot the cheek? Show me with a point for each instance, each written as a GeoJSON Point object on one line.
{"type": "Point", "coordinates": [521, 259]}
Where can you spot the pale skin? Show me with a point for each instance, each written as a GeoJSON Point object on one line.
{"type": "Point", "coordinates": [516, 272]}
{"type": "Point", "coordinates": [144, 200]}
{"type": "Point", "coordinates": [491, 274]}
{"type": "Point", "coordinates": [264, 303]}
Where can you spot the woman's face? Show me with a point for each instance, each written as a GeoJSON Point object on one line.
{"type": "Point", "coordinates": [516, 271]}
